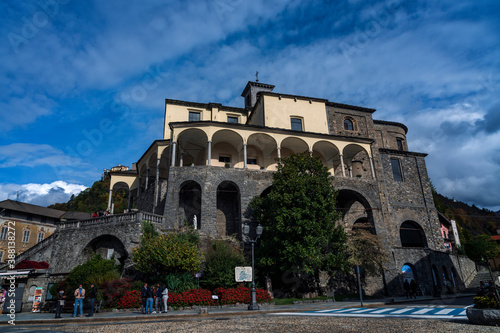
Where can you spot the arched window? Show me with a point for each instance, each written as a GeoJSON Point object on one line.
{"type": "Point", "coordinates": [412, 235]}
{"type": "Point", "coordinates": [348, 124]}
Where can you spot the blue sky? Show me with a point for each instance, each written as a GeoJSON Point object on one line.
{"type": "Point", "coordinates": [84, 82]}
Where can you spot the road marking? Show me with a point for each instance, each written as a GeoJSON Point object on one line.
{"type": "Point", "coordinates": [423, 311]}
{"type": "Point", "coordinates": [382, 310]}
{"type": "Point", "coordinates": [445, 311]}
{"type": "Point", "coordinates": [402, 311]}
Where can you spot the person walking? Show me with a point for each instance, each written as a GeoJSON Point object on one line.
{"type": "Point", "coordinates": [164, 294]}
{"type": "Point", "coordinates": [93, 296]}
{"type": "Point", "coordinates": [413, 289]}
{"type": "Point", "coordinates": [149, 300]}
{"type": "Point", "coordinates": [79, 296]}
{"type": "Point", "coordinates": [158, 295]}
{"type": "Point", "coordinates": [406, 287]}
{"type": "Point", "coordinates": [60, 303]}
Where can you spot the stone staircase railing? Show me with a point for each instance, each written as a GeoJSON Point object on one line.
{"type": "Point", "coordinates": [35, 248]}
{"type": "Point", "coordinates": [112, 219]}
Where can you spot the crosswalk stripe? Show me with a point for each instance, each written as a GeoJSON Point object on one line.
{"type": "Point", "coordinates": [402, 311]}
{"type": "Point", "coordinates": [444, 312]}
{"type": "Point", "coordinates": [363, 310]}
{"type": "Point", "coordinates": [423, 311]}
{"type": "Point", "coordinates": [383, 310]}
{"type": "Point", "coordinates": [463, 313]}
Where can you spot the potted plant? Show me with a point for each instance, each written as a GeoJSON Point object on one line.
{"type": "Point", "coordinates": [485, 311]}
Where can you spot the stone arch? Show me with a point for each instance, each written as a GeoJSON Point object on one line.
{"type": "Point", "coordinates": [267, 146]}
{"type": "Point", "coordinates": [294, 145]}
{"type": "Point", "coordinates": [191, 147]}
{"type": "Point", "coordinates": [190, 202]}
{"type": "Point", "coordinates": [328, 153]}
{"type": "Point", "coordinates": [142, 177]}
{"type": "Point", "coordinates": [227, 144]}
{"type": "Point", "coordinates": [107, 246]}
{"type": "Point", "coordinates": [353, 207]}
{"type": "Point", "coordinates": [412, 235]}
{"type": "Point", "coordinates": [409, 272]}
{"type": "Point", "coordinates": [228, 209]}
{"type": "Point", "coordinates": [436, 282]}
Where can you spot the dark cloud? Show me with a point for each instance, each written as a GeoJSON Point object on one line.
{"type": "Point", "coordinates": [491, 121]}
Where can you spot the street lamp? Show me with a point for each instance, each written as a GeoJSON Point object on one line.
{"type": "Point", "coordinates": [246, 229]}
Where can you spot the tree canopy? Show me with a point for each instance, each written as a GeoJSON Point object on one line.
{"type": "Point", "coordinates": [299, 217]}
{"type": "Point", "coordinates": [159, 254]}
{"type": "Point", "coordinates": [481, 249]}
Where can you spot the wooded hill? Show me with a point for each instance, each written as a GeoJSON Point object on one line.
{"type": "Point", "coordinates": [94, 199]}
{"type": "Point", "coordinates": [471, 218]}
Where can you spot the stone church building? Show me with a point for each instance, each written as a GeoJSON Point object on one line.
{"type": "Point", "coordinates": [213, 159]}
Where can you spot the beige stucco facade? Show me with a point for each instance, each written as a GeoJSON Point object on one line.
{"type": "Point", "coordinates": [19, 235]}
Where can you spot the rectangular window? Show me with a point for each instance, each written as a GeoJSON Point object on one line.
{"type": "Point", "coordinates": [26, 236]}
{"type": "Point", "coordinates": [252, 161]}
{"type": "Point", "coordinates": [43, 219]}
{"type": "Point", "coordinates": [396, 170]}
{"type": "Point", "coordinates": [3, 233]}
{"type": "Point", "coordinates": [400, 144]}
{"type": "Point", "coordinates": [232, 120]}
{"type": "Point", "coordinates": [194, 116]}
{"type": "Point", "coordinates": [1, 256]}
{"type": "Point", "coordinates": [225, 159]}
{"type": "Point", "coordinates": [29, 217]}
{"type": "Point", "coordinates": [40, 236]}
{"type": "Point", "coordinates": [296, 124]}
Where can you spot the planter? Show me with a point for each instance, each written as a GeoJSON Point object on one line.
{"type": "Point", "coordinates": [484, 316]}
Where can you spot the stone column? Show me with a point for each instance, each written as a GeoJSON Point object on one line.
{"type": "Point", "coordinates": [209, 150]}
{"type": "Point", "coordinates": [349, 168]}
{"type": "Point", "coordinates": [147, 177]}
{"type": "Point", "coordinates": [109, 199]}
{"type": "Point", "coordinates": [279, 152]}
{"type": "Point", "coordinates": [181, 160]}
{"type": "Point", "coordinates": [157, 182]}
{"type": "Point", "coordinates": [342, 164]}
{"type": "Point", "coordinates": [173, 153]}
{"type": "Point", "coordinates": [245, 155]}
{"type": "Point", "coordinates": [371, 166]}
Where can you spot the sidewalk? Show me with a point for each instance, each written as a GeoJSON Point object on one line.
{"type": "Point", "coordinates": [29, 318]}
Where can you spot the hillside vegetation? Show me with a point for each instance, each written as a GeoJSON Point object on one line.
{"type": "Point", "coordinates": [94, 199]}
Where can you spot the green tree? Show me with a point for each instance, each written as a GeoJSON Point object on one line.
{"type": "Point", "coordinates": [97, 270]}
{"type": "Point", "coordinates": [301, 236]}
{"type": "Point", "coordinates": [159, 254]}
{"type": "Point", "coordinates": [481, 249]}
{"type": "Point", "coordinates": [220, 261]}
{"type": "Point", "coordinates": [366, 249]}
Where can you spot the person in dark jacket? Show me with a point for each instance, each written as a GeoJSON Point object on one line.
{"type": "Point", "coordinates": [144, 291]}
{"type": "Point", "coordinates": [149, 300]}
{"type": "Point", "coordinates": [413, 289]}
{"type": "Point", "coordinates": [159, 290]}
{"type": "Point", "coordinates": [93, 296]}
{"type": "Point", "coordinates": [60, 303]}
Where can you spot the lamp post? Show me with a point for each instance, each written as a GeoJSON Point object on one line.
{"type": "Point", "coordinates": [246, 229]}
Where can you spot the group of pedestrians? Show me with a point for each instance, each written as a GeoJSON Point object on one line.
{"type": "Point", "coordinates": [410, 288]}
{"type": "Point", "coordinates": [79, 297]}
{"type": "Point", "coordinates": [154, 294]}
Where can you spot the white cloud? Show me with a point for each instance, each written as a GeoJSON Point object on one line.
{"type": "Point", "coordinates": [40, 194]}
{"type": "Point", "coordinates": [33, 155]}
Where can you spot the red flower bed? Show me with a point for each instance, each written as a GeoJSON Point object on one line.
{"type": "Point", "coordinates": [25, 264]}
{"type": "Point", "coordinates": [241, 294]}
{"type": "Point", "coordinates": [226, 296]}
{"type": "Point", "coordinates": [130, 300]}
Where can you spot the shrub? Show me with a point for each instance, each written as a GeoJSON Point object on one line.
{"type": "Point", "coordinates": [485, 302]}
{"type": "Point", "coordinates": [113, 292]}
{"type": "Point", "coordinates": [221, 259]}
{"type": "Point", "coordinates": [178, 283]}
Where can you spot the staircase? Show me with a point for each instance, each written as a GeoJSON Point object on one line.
{"type": "Point", "coordinates": [481, 276]}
